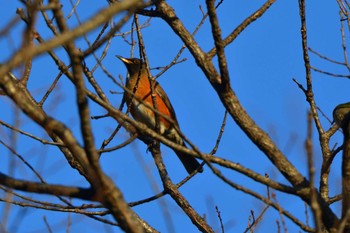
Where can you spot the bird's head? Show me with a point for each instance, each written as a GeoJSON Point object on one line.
{"type": "Point", "coordinates": [132, 64]}
{"type": "Point", "coordinates": [341, 114]}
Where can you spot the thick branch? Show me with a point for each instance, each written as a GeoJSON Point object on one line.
{"type": "Point", "coordinates": [36, 187]}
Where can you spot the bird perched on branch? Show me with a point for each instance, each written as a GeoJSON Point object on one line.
{"type": "Point", "coordinates": [341, 114]}
{"type": "Point", "coordinates": [140, 99]}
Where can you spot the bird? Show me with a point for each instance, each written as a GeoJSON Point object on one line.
{"type": "Point", "coordinates": [341, 114]}
{"type": "Point", "coordinates": [140, 94]}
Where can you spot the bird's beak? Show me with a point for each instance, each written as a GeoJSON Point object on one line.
{"type": "Point", "coordinates": [123, 59]}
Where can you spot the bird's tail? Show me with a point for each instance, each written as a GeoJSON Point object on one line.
{"type": "Point", "coordinates": [189, 162]}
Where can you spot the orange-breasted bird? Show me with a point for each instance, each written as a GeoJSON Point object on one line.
{"type": "Point", "coordinates": [139, 84]}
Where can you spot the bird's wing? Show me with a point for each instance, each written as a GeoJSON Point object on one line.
{"type": "Point", "coordinates": [159, 90]}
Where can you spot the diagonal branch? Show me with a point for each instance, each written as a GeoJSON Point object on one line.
{"type": "Point", "coordinates": [231, 102]}
{"type": "Point", "coordinates": [172, 190]}
{"type": "Point", "coordinates": [250, 19]}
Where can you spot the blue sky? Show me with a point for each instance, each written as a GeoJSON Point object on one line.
{"type": "Point", "coordinates": [262, 62]}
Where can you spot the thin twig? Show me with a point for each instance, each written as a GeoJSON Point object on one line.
{"type": "Point", "coordinates": [43, 141]}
